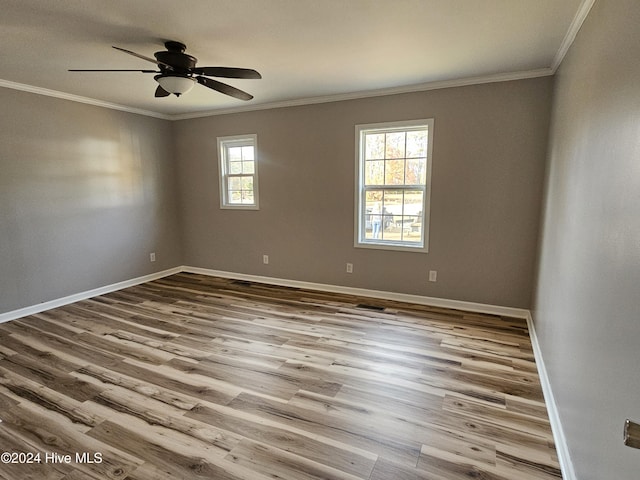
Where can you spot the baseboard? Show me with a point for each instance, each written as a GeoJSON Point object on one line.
{"type": "Point", "coordinates": [566, 465]}
{"type": "Point", "coordinates": [363, 292]}
{"type": "Point", "coordinates": [59, 302]}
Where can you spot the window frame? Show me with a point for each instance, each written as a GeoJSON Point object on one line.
{"type": "Point", "coordinates": [224, 143]}
{"type": "Point", "coordinates": [360, 240]}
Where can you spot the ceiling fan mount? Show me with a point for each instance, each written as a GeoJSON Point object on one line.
{"type": "Point", "coordinates": [177, 72]}
{"type": "Point", "coordinates": [173, 46]}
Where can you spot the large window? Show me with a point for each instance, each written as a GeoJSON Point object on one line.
{"type": "Point", "coordinates": [393, 185]}
{"type": "Point", "coordinates": [238, 172]}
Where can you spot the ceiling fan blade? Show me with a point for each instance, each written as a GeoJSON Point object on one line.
{"type": "Point", "coordinates": [227, 72]}
{"type": "Point", "coordinates": [143, 57]}
{"type": "Point", "coordinates": [148, 59]}
{"type": "Point", "coordinates": [161, 92]}
{"type": "Point", "coordinates": [112, 70]}
{"type": "Point", "coordinates": [224, 88]}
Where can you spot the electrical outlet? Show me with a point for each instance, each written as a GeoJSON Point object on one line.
{"type": "Point", "coordinates": [349, 267]}
{"type": "Point", "coordinates": [152, 257]}
{"type": "Point", "coordinates": [265, 259]}
{"type": "Point", "coordinates": [433, 275]}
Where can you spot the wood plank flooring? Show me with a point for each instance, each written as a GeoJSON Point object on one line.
{"type": "Point", "coordinates": [194, 377]}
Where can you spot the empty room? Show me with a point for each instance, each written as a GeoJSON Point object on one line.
{"type": "Point", "coordinates": [300, 239]}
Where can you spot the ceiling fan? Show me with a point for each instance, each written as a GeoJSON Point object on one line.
{"type": "Point", "coordinates": [178, 73]}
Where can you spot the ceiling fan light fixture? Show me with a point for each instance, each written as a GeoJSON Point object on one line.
{"type": "Point", "coordinates": [175, 84]}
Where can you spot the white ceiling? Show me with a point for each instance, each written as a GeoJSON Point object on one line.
{"type": "Point", "coordinates": [306, 50]}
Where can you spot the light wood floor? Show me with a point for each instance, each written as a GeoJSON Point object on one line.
{"type": "Point", "coordinates": [193, 377]}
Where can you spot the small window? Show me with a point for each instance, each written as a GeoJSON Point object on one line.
{"type": "Point", "coordinates": [393, 185]}
{"type": "Point", "coordinates": [238, 172]}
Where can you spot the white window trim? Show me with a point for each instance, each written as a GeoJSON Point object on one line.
{"type": "Point", "coordinates": [359, 241]}
{"type": "Point", "coordinates": [238, 140]}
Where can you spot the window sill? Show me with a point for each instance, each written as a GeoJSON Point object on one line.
{"type": "Point", "coordinates": [392, 246]}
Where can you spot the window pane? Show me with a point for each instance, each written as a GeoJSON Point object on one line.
{"type": "Point", "coordinates": [417, 144]}
{"type": "Point", "coordinates": [235, 168]}
{"type": "Point", "coordinates": [413, 213]}
{"type": "Point", "coordinates": [234, 153]}
{"type": "Point", "coordinates": [374, 146]}
{"type": "Point", "coordinates": [416, 171]}
{"type": "Point", "coordinates": [413, 202]}
{"type": "Point", "coordinates": [247, 183]}
{"type": "Point", "coordinates": [235, 183]}
{"type": "Point", "coordinates": [376, 225]}
{"type": "Point", "coordinates": [388, 222]}
{"type": "Point", "coordinates": [247, 197]}
{"type": "Point", "coordinates": [392, 202]}
{"type": "Point", "coordinates": [248, 167]}
{"type": "Point", "coordinates": [374, 172]}
{"type": "Point", "coordinates": [391, 208]}
{"type": "Point", "coordinates": [411, 229]}
{"type": "Point", "coordinates": [394, 172]}
{"type": "Point", "coordinates": [247, 152]}
{"type": "Point", "coordinates": [373, 213]}
{"type": "Point", "coordinates": [373, 196]}
{"type": "Point", "coordinates": [235, 196]}
{"type": "Point", "coordinates": [394, 147]}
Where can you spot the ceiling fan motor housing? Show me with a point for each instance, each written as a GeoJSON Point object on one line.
{"type": "Point", "coordinates": [175, 57]}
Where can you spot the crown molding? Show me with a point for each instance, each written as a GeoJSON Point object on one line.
{"type": "Point", "coordinates": [77, 98]}
{"type": "Point", "coordinates": [460, 82]}
{"type": "Point", "coordinates": [574, 28]}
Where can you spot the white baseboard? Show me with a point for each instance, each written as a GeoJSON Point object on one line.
{"type": "Point", "coordinates": [363, 292]}
{"type": "Point", "coordinates": [59, 302]}
{"type": "Point", "coordinates": [566, 465]}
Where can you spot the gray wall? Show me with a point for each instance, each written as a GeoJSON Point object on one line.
{"type": "Point", "coordinates": [488, 167]}
{"type": "Point", "coordinates": [587, 305]}
{"type": "Point", "coordinates": [85, 194]}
